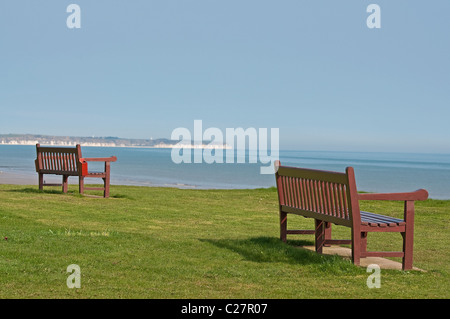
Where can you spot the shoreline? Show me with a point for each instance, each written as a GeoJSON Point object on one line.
{"type": "Point", "coordinates": [8, 178]}
{"type": "Point", "coordinates": [153, 168]}
{"type": "Point", "coordinates": [207, 146]}
{"type": "Point", "coordinates": [28, 180]}
{"type": "Point", "coordinates": [160, 146]}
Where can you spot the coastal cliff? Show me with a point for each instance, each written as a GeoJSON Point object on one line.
{"type": "Point", "coordinates": [30, 139]}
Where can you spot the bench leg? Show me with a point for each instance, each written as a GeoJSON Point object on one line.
{"type": "Point", "coordinates": [327, 231]}
{"type": "Point", "coordinates": [41, 181]}
{"type": "Point", "coordinates": [106, 180]}
{"type": "Point", "coordinates": [364, 242]}
{"type": "Point", "coordinates": [81, 184]}
{"type": "Point", "coordinates": [106, 187]}
{"type": "Point", "coordinates": [408, 236]}
{"type": "Point", "coordinates": [407, 260]}
{"type": "Point", "coordinates": [319, 235]}
{"type": "Point", "coordinates": [64, 183]}
{"type": "Point", "coordinates": [356, 246]}
{"type": "Point", "coordinates": [283, 226]}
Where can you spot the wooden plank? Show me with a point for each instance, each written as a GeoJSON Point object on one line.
{"type": "Point", "coordinates": [312, 174]}
{"type": "Point", "coordinates": [52, 161]}
{"type": "Point", "coordinates": [300, 232]}
{"type": "Point", "coordinates": [297, 193]}
{"type": "Point", "coordinates": [73, 163]}
{"type": "Point", "coordinates": [291, 191]}
{"type": "Point", "coordinates": [394, 229]}
{"type": "Point", "coordinates": [310, 195]}
{"type": "Point", "coordinates": [328, 199]}
{"type": "Point", "coordinates": [316, 196]}
{"type": "Point", "coordinates": [345, 199]}
{"type": "Point", "coordinates": [319, 196]}
{"type": "Point", "coordinates": [47, 171]}
{"type": "Point", "coordinates": [341, 201]}
{"type": "Point", "coordinates": [100, 159]}
{"type": "Point", "coordinates": [303, 193]}
{"type": "Point", "coordinates": [376, 218]}
{"type": "Point", "coordinates": [325, 197]}
{"type": "Point", "coordinates": [45, 159]}
{"type": "Point", "coordinates": [312, 214]}
{"type": "Point", "coordinates": [408, 235]}
{"type": "Point", "coordinates": [294, 192]}
{"type": "Point", "coordinates": [65, 160]}
{"type": "Point", "coordinates": [307, 197]}
{"type": "Point", "coordinates": [420, 194]}
{"type": "Point", "coordinates": [52, 164]}
{"type": "Point", "coordinates": [370, 220]}
{"type": "Point", "coordinates": [353, 205]}
{"type": "Point", "coordinates": [333, 200]}
{"type": "Point", "coordinates": [48, 162]}
{"type": "Point", "coordinates": [313, 199]}
{"type": "Point", "coordinates": [319, 235]}
{"type": "Point", "coordinates": [44, 149]}
{"type": "Point", "coordinates": [287, 190]}
{"type": "Point", "coordinates": [336, 201]}
{"type": "Point", "coordinates": [280, 189]}
{"type": "Point", "coordinates": [58, 161]}
{"type": "Point", "coordinates": [283, 226]}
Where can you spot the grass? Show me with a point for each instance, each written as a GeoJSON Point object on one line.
{"type": "Point", "coordinates": [172, 243]}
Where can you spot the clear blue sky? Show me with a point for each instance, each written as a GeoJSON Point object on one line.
{"type": "Point", "coordinates": [313, 69]}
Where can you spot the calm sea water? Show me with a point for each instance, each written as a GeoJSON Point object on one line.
{"type": "Point", "coordinates": [375, 172]}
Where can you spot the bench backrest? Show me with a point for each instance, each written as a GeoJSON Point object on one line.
{"type": "Point", "coordinates": [330, 196]}
{"type": "Point", "coordinates": [59, 160]}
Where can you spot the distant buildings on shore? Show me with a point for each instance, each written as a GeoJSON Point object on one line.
{"type": "Point", "coordinates": [29, 139]}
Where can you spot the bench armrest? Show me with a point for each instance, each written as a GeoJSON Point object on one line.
{"type": "Point", "coordinates": [99, 159]}
{"type": "Point", "coordinates": [420, 194]}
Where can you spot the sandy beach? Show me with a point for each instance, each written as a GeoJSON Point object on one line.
{"type": "Point", "coordinates": [30, 179]}
{"type": "Point", "coordinates": [17, 179]}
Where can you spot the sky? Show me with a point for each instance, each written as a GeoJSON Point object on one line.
{"type": "Point", "coordinates": [312, 69]}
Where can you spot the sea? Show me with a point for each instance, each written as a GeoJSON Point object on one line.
{"type": "Point", "coordinates": [375, 171]}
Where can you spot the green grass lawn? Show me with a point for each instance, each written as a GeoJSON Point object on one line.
{"type": "Point", "coordinates": [173, 243]}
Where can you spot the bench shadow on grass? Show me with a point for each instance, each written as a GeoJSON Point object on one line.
{"type": "Point", "coordinates": [30, 190]}
{"type": "Point", "coordinates": [270, 249]}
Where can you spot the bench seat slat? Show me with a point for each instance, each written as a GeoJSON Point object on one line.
{"type": "Point", "coordinates": [381, 217]}
{"type": "Point", "coordinates": [95, 174]}
{"type": "Point", "coordinates": [377, 220]}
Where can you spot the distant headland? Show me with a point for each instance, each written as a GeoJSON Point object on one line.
{"type": "Point", "coordinates": [108, 141]}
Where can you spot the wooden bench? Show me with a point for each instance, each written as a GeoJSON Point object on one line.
{"type": "Point", "coordinates": [332, 198]}
{"type": "Point", "coordinates": [67, 161]}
